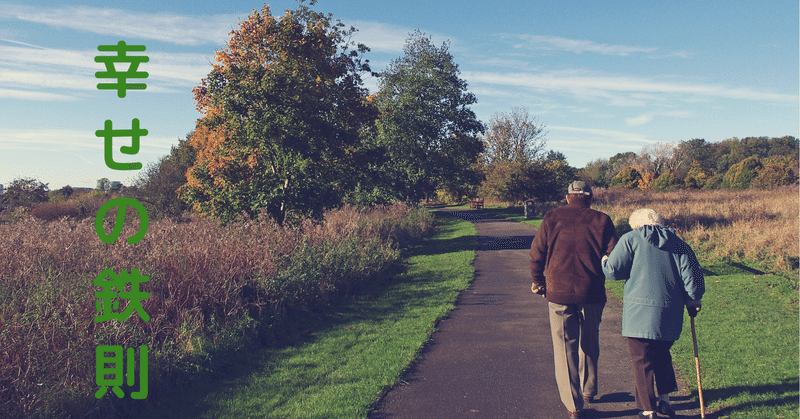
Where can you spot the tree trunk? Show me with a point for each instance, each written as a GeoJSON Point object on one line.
{"type": "Point", "coordinates": [282, 212]}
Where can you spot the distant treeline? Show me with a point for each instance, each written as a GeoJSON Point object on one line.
{"type": "Point", "coordinates": [758, 162]}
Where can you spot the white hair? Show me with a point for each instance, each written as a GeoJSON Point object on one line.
{"type": "Point", "coordinates": [645, 216]}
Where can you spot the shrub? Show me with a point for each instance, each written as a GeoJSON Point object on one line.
{"type": "Point", "coordinates": [51, 211]}
{"type": "Point", "coordinates": [627, 178]}
{"type": "Point", "coordinates": [646, 182]}
{"type": "Point", "coordinates": [697, 177]}
{"type": "Point", "coordinates": [741, 174]}
{"type": "Point", "coordinates": [665, 182]}
{"type": "Point", "coordinates": [714, 182]}
{"type": "Point", "coordinates": [447, 197]}
{"type": "Point", "coordinates": [777, 171]}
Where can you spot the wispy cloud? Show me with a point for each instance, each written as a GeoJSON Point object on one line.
{"type": "Point", "coordinates": [586, 144]}
{"type": "Point", "coordinates": [674, 54]}
{"type": "Point", "coordinates": [165, 27]}
{"type": "Point", "coordinates": [5, 38]}
{"type": "Point", "coordinates": [578, 46]}
{"type": "Point", "coordinates": [593, 85]}
{"type": "Point", "coordinates": [184, 29]}
{"type": "Point", "coordinates": [47, 80]}
{"type": "Point", "coordinates": [381, 37]}
{"type": "Point", "coordinates": [502, 62]}
{"type": "Point", "coordinates": [46, 74]}
{"type": "Point", "coordinates": [38, 56]}
{"type": "Point", "coordinates": [639, 120]}
{"type": "Point", "coordinates": [593, 135]}
{"type": "Point", "coordinates": [647, 117]}
{"type": "Point", "coordinates": [70, 141]}
{"type": "Point", "coordinates": [386, 38]}
{"type": "Point", "coordinates": [33, 95]}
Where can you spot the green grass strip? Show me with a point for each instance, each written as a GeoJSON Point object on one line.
{"type": "Point", "coordinates": [747, 338]}
{"type": "Point", "coordinates": [747, 343]}
{"type": "Point", "coordinates": [340, 361]}
{"type": "Point", "coordinates": [509, 213]}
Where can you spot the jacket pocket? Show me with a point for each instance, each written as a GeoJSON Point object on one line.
{"type": "Point", "coordinates": [563, 284]}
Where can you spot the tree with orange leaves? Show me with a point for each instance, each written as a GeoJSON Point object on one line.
{"type": "Point", "coordinates": [283, 109]}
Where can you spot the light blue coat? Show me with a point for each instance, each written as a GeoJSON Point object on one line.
{"type": "Point", "coordinates": [662, 275]}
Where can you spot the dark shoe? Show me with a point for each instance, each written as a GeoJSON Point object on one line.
{"type": "Point", "coordinates": [650, 416]}
{"type": "Point", "coordinates": [665, 409]}
{"type": "Point", "coordinates": [588, 399]}
{"type": "Point", "coordinates": [576, 415]}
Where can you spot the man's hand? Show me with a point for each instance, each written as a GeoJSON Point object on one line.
{"type": "Point", "coordinates": [539, 290]}
{"type": "Point", "coordinates": [603, 260]}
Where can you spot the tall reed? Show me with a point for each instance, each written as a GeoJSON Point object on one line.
{"type": "Point", "coordinates": [208, 284]}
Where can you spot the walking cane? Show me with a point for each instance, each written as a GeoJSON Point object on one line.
{"type": "Point", "coordinates": [697, 364]}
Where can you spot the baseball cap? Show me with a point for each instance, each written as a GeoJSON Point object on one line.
{"type": "Point", "coordinates": [579, 187]}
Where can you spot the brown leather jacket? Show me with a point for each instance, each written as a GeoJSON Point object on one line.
{"type": "Point", "coordinates": [566, 254]}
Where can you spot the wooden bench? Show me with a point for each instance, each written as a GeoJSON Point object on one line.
{"type": "Point", "coordinates": [476, 203]}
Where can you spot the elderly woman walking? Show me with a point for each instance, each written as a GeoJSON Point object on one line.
{"type": "Point", "coordinates": [663, 276]}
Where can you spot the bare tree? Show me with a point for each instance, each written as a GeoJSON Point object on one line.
{"type": "Point", "coordinates": [514, 137]}
{"type": "Point", "coordinates": [663, 157]}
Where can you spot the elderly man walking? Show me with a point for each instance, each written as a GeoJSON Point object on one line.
{"type": "Point", "coordinates": [566, 268]}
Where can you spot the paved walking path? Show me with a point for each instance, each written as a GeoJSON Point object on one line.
{"type": "Point", "coordinates": [492, 357]}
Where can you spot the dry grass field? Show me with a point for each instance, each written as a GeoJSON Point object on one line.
{"type": "Point", "coordinates": [751, 225]}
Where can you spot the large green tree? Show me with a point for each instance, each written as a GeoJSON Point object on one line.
{"type": "Point", "coordinates": [696, 152]}
{"type": "Point", "coordinates": [283, 111]}
{"type": "Point", "coordinates": [596, 173]}
{"type": "Point", "coordinates": [628, 177]}
{"type": "Point", "coordinates": [554, 175]}
{"type": "Point", "coordinates": [24, 192]}
{"type": "Point", "coordinates": [777, 170]}
{"type": "Point", "coordinates": [741, 174]}
{"type": "Point", "coordinates": [620, 161]}
{"type": "Point", "coordinates": [157, 187]}
{"type": "Point", "coordinates": [427, 135]}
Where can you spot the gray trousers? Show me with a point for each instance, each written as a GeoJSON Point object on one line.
{"type": "Point", "coordinates": [575, 329]}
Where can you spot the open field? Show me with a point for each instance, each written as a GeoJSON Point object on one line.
{"type": "Point", "coordinates": [758, 226]}
{"type": "Point", "coordinates": [747, 330]}
{"type": "Point", "coordinates": [747, 341]}
{"type": "Point", "coordinates": [747, 243]}
{"type": "Point", "coordinates": [753, 225]}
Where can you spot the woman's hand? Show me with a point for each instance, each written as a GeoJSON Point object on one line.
{"type": "Point", "coordinates": [693, 307]}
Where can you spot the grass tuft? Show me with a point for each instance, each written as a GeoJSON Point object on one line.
{"type": "Point", "coordinates": [747, 244]}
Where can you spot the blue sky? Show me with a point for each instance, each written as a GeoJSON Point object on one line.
{"type": "Point", "coordinates": [603, 77]}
